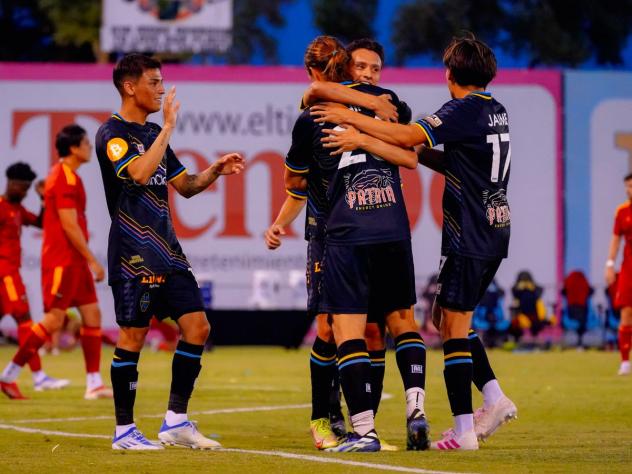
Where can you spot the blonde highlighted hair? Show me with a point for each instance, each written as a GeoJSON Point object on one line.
{"type": "Point", "coordinates": [328, 55]}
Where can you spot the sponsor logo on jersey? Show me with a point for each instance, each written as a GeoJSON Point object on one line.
{"type": "Point", "coordinates": [116, 148]}
{"type": "Point", "coordinates": [433, 121]}
{"type": "Point", "coordinates": [369, 189]}
{"type": "Point", "coordinates": [136, 259]}
{"type": "Point", "coordinates": [497, 209]}
{"type": "Point", "coordinates": [158, 179]}
{"type": "Point", "coordinates": [153, 279]}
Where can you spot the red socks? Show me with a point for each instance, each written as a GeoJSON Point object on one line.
{"type": "Point", "coordinates": [91, 345]}
{"type": "Point", "coordinates": [625, 341]}
{"type": "Point", "coordinates": [34, 338]}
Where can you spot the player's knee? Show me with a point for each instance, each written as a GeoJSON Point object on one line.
{"type": "Point", "coordinates": [324, 330]}
{"type": "Point", "coordinates": [374, 339]}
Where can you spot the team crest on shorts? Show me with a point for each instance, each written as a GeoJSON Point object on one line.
{"type": "Point", "coordinates": [144, 302]}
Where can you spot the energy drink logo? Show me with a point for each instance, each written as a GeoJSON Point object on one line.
{"type": "Point", "coordinates": [171, 9]}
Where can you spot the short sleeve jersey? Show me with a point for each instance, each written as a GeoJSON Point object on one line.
{"type": "Point", "coordinates": [623, 228]}
{"type": "Point", "coordinates": [63, 190]}
{"type": "Point", "coordinates": [12, 217]}
{"type": "Point", "coordinates": [142, 240]}
{"type": "Point", "coordinates": [477, 156]}
{"type": "Point", "coordinates": [361, 193]}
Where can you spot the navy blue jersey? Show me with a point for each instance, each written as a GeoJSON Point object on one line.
{"type": "Point", "coordinates": [477, 156]}
{"type": "Point", "coordinates": [142, 241]}
{"type": "Point", "coordinates": [360, 193]}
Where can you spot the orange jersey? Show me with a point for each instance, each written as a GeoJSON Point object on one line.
{"type": "Point", "coordinates": [623, 227]}
{"type": "Point", "coordinates": [12, 217]}
{"type": "Point", "coordinates": [63, 190]}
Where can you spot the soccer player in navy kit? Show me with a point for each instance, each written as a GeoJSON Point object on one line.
{"type": "Point", "coordinates": [474, 128]}
{"type": "Point", "coordinates": [367, 57]}
{"type": "Point", "coordinates": [148, 271]}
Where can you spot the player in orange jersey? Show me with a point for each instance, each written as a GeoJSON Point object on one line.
{"type": "Point", "coordinates": [623, 296]}
{"type": "Point", "coordinates": [13, 299]}
{"type": "Point", "coordinates": [68, 265]}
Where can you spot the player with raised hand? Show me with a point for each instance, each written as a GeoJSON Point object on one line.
{"type": "Point", "coordinates": [148, 271]}
{"type": "Point", "coordinates": [69, 268]}
{"type": "Point", "coordinates": [13, 298]}
{"type": "Point", "coordinates": [475, 130]}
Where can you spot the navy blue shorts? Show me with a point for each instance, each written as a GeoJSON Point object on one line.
{"type": "Point", "coordinates": [163, 296]}
{"type": "Point", "coordinates": [462, 281]}
{"type": "Point", "coordinates": [315, 249]}
{"type": "Point", "coordinates": [373, 279]}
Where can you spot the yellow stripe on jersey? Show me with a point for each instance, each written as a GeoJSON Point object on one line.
{"type": "Point", "coordinates": [71, 179]}
{"type": "Point", "coordinates": [11, 291]}
{"type": "Point", "coordinates": [296, 196]}
{"type": "Point", "coordinates": [179, 174]}
{"type": "Point", "coordinates": [428, 139]}
{"type": "Point", "coordinates": [57, 274]}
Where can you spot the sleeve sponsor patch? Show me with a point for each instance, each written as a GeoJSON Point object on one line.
{"type": "Point", "coordinates": [116, 149]}
{"type": "Point", "coordinates": [433, 121]}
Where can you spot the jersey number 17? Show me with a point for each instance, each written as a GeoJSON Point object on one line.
{"type": "Point", "coordinates": [495, 140]}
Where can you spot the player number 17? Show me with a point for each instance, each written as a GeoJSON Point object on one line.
{"type": "Point", "coordinates": [495, 140]}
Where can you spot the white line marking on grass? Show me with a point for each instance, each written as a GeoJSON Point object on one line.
{"type": "Point", "coordinates": [24, 429]}
{"type": "Point", "coordinates": [216, 411]}
{"type": "Point", "coordinates": [303, 457]}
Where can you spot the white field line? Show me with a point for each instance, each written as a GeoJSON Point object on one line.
{"type": "Point", "coordinates": [160, 415]}
{"type": "Point", "coordinates": [302, 457]}
{"type": "Point", "coordinates": [217, 411]}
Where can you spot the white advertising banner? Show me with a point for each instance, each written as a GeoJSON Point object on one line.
{"type": "Point", "coordinates": [252, 111]}
{"type": "Point", "coordinates": [197, 26]}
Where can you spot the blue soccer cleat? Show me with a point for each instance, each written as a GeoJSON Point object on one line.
{"type": "Point", "coordinates": [417, 432]}
{"type": "Point", "coordinates": [354, 443]}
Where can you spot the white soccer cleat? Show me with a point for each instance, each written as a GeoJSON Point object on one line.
{"type": "Point", "coordinates": [624, 368]}
{"type": "Point", "coordinates": [133, 439]}
{"type": "Point", "coordinates": [488, 420]}
{"type": "Point", "coordinates": [185, 434]}
{"type": "Point", "coordinates": [465, 442]}
{"type": "Point", "coordinates": [99, 392]}
{"type": "Point", "coordinates": [50, 383]}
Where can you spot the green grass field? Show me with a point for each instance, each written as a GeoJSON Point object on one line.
{"type": "Point", "coordinates": [575, 415]}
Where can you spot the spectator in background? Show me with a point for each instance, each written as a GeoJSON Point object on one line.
{"type": "Point", "coordinates": [578, 315]}
{"type": "Point", "coordinates": [528, 309]}
{"type": "Point", "coordinates": [489, 316]}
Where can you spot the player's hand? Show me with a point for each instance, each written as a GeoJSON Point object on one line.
{"type": "Point", "coordinates": [170, 108]}
{"type": "Point", "coordinates": [385, 109]}
{"type": "Point", "coordinates": [610, 276]}
{"type": "Point", "coordinates": [330, 112]}
{"type": "Point", "coordinates": [347, 139]}
{"type": "Point", "coordinates": [232, 163]}
{"type": "Point", "coordinates": [39, 188]}
{"type": "Point", "coordinates": [97, 270]}
{"type": "Point", "coordinates": [272, 236]}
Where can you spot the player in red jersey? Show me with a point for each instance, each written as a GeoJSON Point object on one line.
{"type": "Point", "coordinates": [623, 296]}
{"type": "Point", "coordinates": [68, 265]}
{"type": "Point", "coordinates": [13, 299]}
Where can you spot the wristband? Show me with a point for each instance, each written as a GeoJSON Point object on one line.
{"type": "Point", "coordinates": [609, 263]}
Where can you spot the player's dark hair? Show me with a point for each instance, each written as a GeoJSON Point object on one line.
{"type": "Point", "coordinates": [367, 43]}
{"type": "Point", "coordinates": [627, 178]}
{"type": "Point", "coordinates": [20, 171]}
{"type": "Point", "coordinates": [132, 66]}
{"type": "Point", "coordinates": [470, 61]}
{"type": "Point", "coordinates": [327, 55]}
{"type": "Point", "coordinates": [69, 136]}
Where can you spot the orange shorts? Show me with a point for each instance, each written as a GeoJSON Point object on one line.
{"type": "Point", "coordinates": [13, 298]}
{"type": "Point", "coordinates": [66, 287]}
